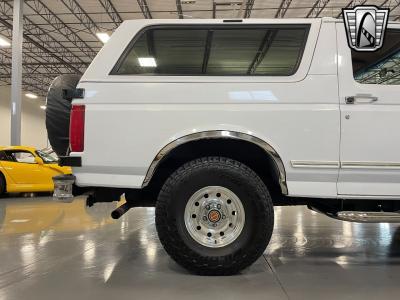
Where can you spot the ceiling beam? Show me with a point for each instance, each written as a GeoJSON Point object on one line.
{"type": "Point", "coordinates": [30, 85]}
{"type": "Point", "coordinates": [6, 8]}
{"type": "Point", "coordinates": [30, 60]}
{"type": "Point", "coordinates": [249, 7]}
{"type": "Point", "coordinates": [179, 9]}
{"type": "Point", "coordinates": [79, 13]}
{"type": "Point", "coordinates": [317, 8]}
{"type": "Point", "coordinates": [112, 12]}
{"type": "Point", "coordinates": [214, 10]}
{"type": "Point", "coordinates": [55, 22]}
{"type": "Point", "coordinates": [283, 7]}
{"type": "Point", "coordinates": [42, 47]}
{"type": "Point", "coordinates": [395, 6]}
{"type": "Point", "coordinates": [145, 9]}
{"type": "Point", "coordinates": [36, 36]}
{"type": "Point", "coordinates": [31, 69]}
{"type": "Point", "coordinates": [351, 4]}
{"type": "Point", "coordinates": [384, 3]}
{"type": "Point", "coordinates": [391, 8]}
{"type": "Point", "coordinates": [83, 65]}
{"type": "Point", "coordinates": [37, 85]}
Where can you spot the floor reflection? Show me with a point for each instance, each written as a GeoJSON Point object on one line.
{"type": "Point", "coordinates": [29, 215]}
{"type": "Point", "coordinates": [55, 250]}
{"type": "Point", "coordinates": [300, 233]}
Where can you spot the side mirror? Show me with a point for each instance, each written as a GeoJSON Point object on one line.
{"type": "Point", "coordinates": [38, 160]}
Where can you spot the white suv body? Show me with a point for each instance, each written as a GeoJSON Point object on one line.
{"type": "Point", "coordinates": [221, 120]}
{"type": "Point", "coordinates": [328, 148]}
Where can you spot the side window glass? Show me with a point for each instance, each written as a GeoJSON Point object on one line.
{"type": "Point", "coordinates": [215, 50]}
{"type": "Point", "coordinates": [22, 157]}
{"type": "Point", "coordinates": [3, 156]}
{"type": "Point", "coordinates": [382, 66]}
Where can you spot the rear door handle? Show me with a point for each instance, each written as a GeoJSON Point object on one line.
{"type": "Point", "coordinates": [363, 99]}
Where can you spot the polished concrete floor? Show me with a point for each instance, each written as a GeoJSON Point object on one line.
{"type": "Point", "coordinates": [67, 251]}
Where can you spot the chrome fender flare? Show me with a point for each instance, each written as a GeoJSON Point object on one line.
{"type": "Point", "coordinates": [220, 134]}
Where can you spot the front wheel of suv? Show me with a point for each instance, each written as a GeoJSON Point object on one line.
{"type": "Point", "coordinates": [214, 216]}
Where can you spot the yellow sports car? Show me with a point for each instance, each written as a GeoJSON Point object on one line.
{"type": "Point", "coordinates": [25, 169]}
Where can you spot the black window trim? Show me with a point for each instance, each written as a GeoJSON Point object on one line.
{"type": "Point", "coordinates": [121, 59]}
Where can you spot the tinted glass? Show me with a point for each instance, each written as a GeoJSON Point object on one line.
{"type": "Point", "coordinates": [21, 156]}
{"type": "Point", "coordinates": [224, 50]}
{"type": "Point", "coordinates": [3, 156]}
{"type": "Point", "coordinates": [381, 66]}
{"type": "Point", "coordinates": [46, 157]}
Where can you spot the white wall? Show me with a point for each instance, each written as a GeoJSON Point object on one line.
{"type": "Point", "coordinates": [33, 132]}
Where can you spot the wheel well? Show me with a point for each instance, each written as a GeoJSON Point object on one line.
{"type": "Point", "coordinates": [243, 151]}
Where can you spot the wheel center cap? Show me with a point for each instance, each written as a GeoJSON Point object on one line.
{"type": "Point", "coordinates": [214, 216]}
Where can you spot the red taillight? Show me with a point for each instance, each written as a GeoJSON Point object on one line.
{"type": "Point", "coordinates": [77, 128]}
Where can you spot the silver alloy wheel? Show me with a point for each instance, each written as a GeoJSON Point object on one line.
{"type": "Point", "coordinates": [214, 216]}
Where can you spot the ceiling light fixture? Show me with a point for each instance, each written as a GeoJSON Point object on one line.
{"type": "Point", "coordinates": [4, 42]}
{"type": "Point", "coordinates": [188, 1]}
{"type": "Point", "coordinates": [103, 37]}
{"type": "Point", "coordinates": [147, 62]}
{"type": "Point", "coordinates": [43, 107]}
{"type": "Point", "coordinates": [31, 95]}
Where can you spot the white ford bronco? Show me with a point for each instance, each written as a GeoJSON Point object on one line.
{"type": "Point", "coordinates": [214, 122]}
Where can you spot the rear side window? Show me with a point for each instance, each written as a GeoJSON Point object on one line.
{"type": "Point", "coordinates": [221, 50]}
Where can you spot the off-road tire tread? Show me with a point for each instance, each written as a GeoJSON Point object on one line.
{"type": "Point", "coordinates": [203, 265]}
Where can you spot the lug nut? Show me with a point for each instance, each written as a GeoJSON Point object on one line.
{"type": "Point", "coordinates": [208, 207]}
{"type": "Point", "coordinates": [219, 206]}
{"type": "Point", "coordinates": [204, 218]}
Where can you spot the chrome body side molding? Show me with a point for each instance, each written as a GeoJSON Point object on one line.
{"type": "Point", "coordinates": [314, 164]}
{"type": "Point", "coordinates": [218, 134]}
{"type": "Point", "coordinates": [345, 164]}
{"type": "Point", "coordinates": [370, 165]}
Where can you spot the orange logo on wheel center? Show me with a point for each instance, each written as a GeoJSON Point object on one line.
{"type": "Point", "coordinates": [214, 216]}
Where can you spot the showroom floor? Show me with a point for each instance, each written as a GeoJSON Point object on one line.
{"type": "Point", "coordinates": [65, 251]}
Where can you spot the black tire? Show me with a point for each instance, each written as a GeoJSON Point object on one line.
{"type": "Point", "coordinates": [258, 208]}
{"type": "Point", "coordinates": [2, 185]}
{"type": "Point", "coordinates": [58, 112]}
